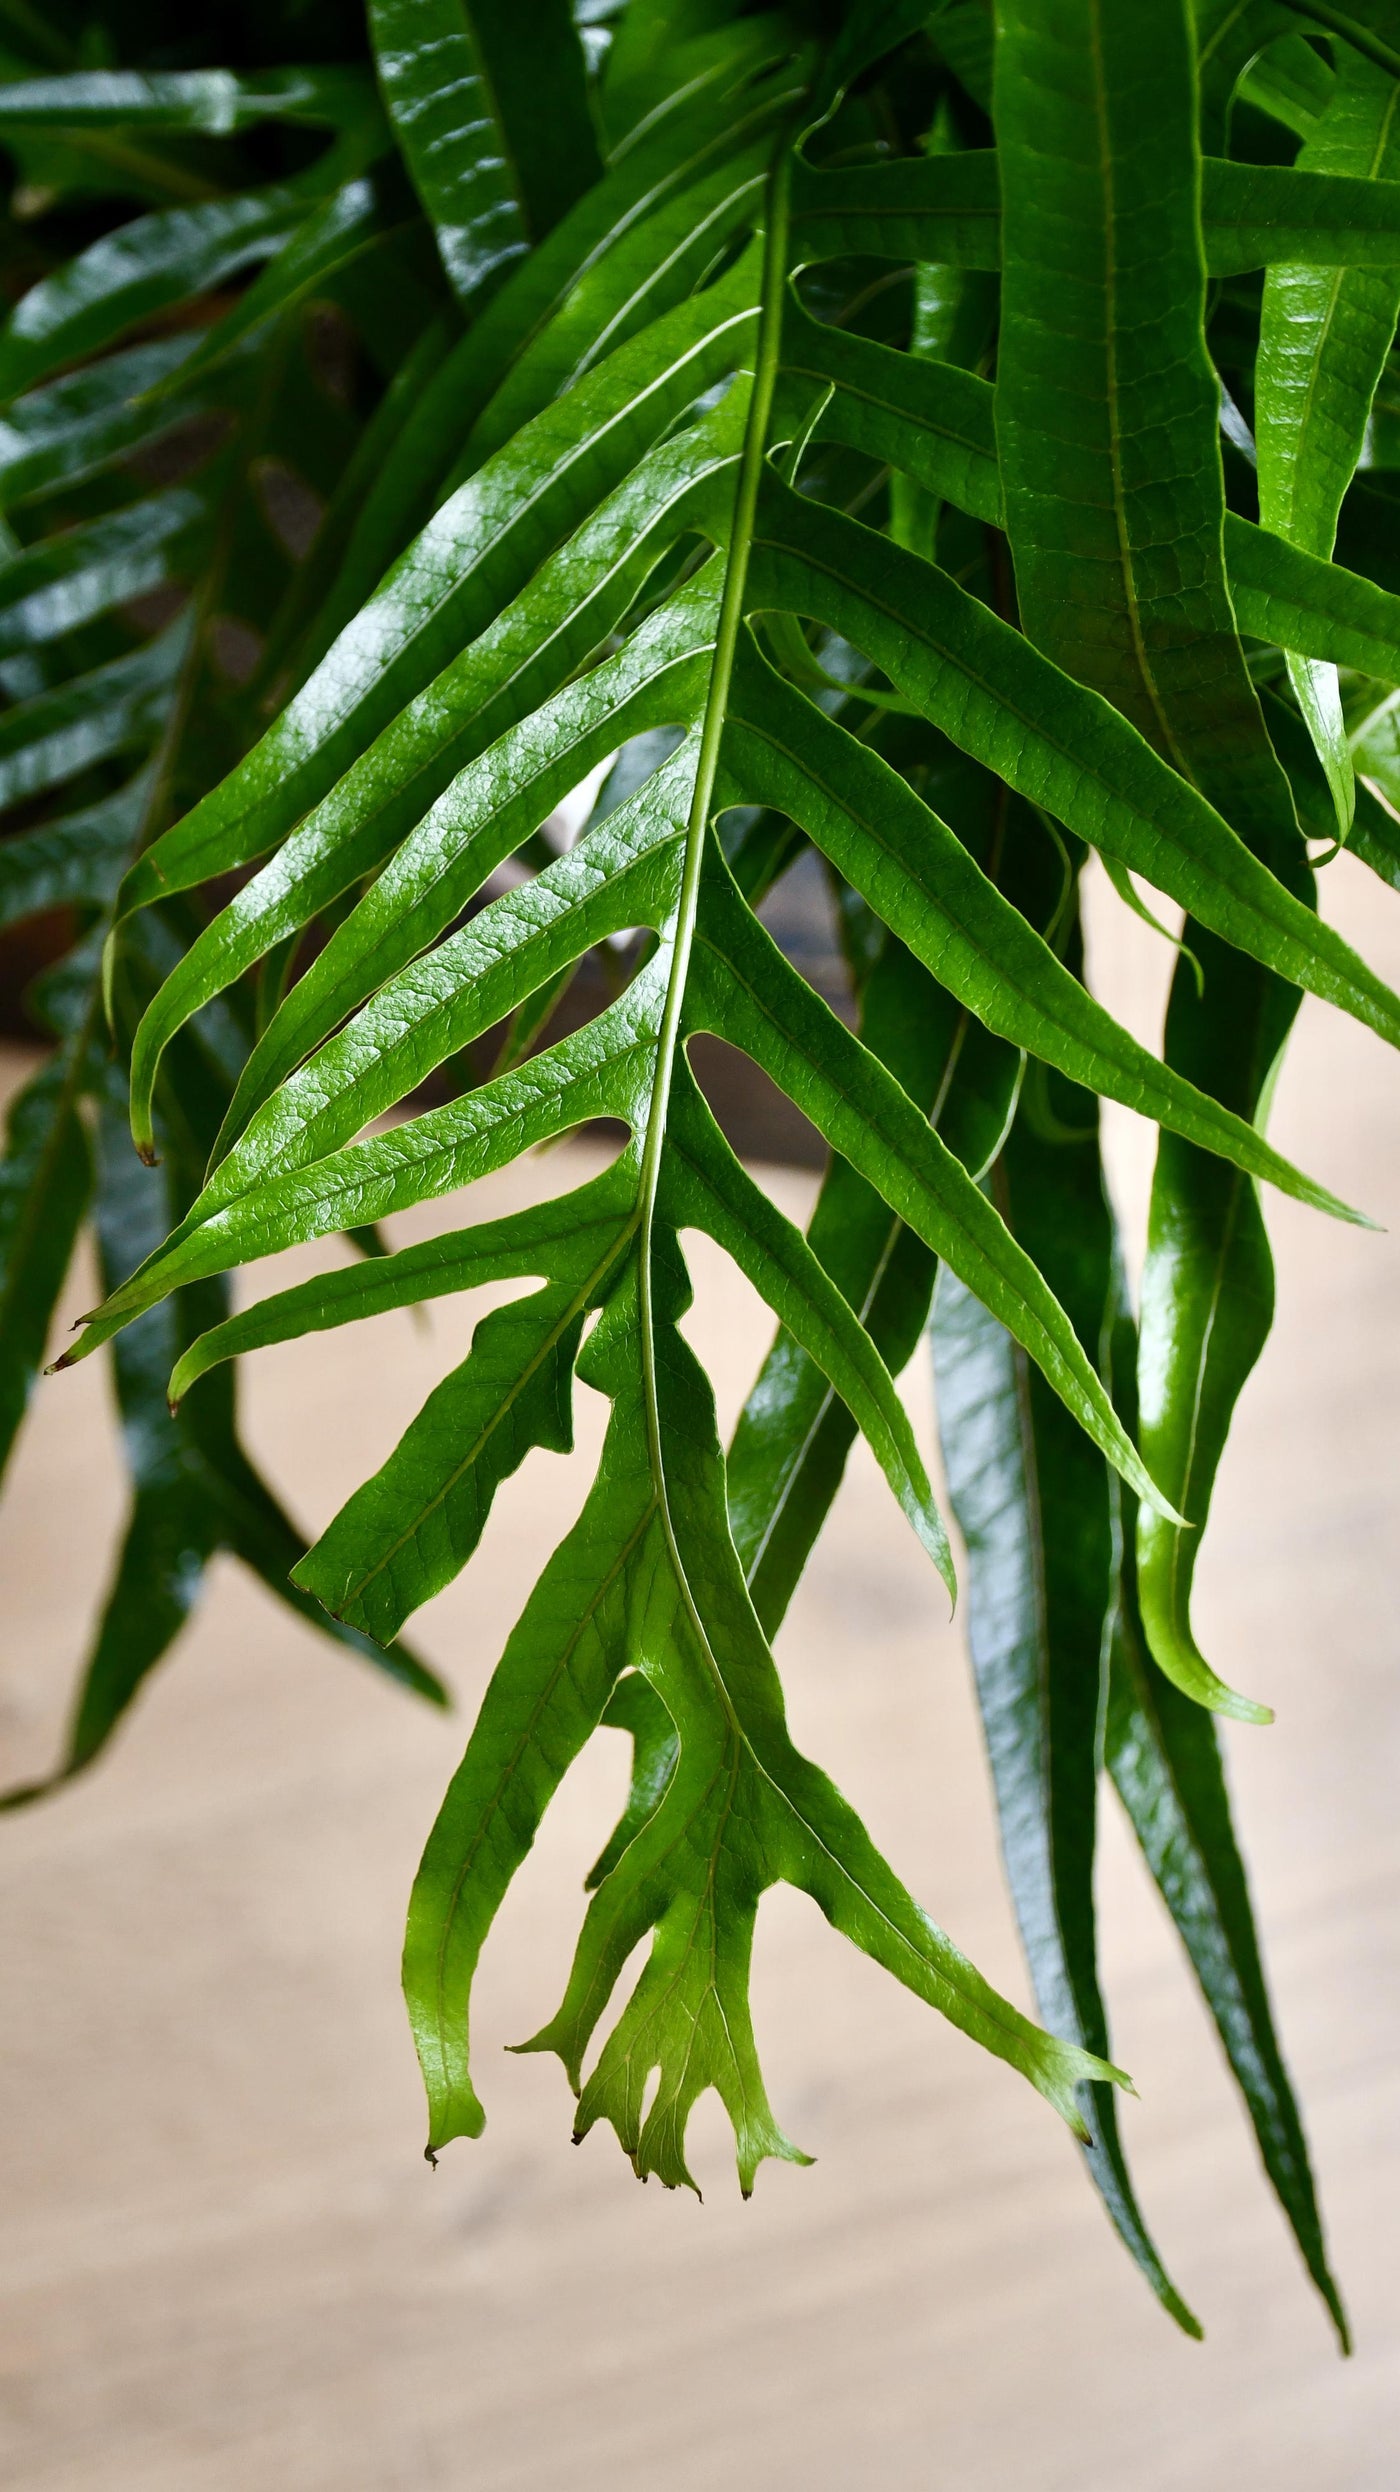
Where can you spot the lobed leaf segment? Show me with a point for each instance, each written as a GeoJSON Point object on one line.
{"type": "Point", "coordinates": [824, 433]}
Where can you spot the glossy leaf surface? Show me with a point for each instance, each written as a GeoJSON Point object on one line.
{"type": "Point", "coordinates": [810, 434]}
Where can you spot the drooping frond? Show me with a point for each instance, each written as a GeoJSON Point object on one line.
{"type": "Point", "coordinates": [821, 434]}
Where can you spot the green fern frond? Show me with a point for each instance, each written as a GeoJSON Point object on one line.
{"type": "Point", "coordinates": [826, 419]}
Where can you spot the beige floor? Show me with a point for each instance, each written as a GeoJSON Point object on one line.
{"type": "Point", "coordinates": [223, 2263]}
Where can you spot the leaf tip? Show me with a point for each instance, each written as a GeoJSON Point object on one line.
{"type": "Point", "coordinates": [1243, 1709]}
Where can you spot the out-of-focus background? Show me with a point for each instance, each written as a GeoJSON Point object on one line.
{"type": "Point", "coordinates": [223, 2262]}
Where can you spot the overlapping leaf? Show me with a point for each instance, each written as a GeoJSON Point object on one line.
{"type": "Point", "coordinates": [132, 490]}
{"type": "Point", "coordinates": [661, 469]}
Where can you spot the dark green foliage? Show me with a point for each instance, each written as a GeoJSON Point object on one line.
{"type": "Point", "coordinates": [822, 414]}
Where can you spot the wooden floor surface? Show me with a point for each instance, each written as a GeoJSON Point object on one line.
{"type": "Point", "coordinates": [223, 2263]}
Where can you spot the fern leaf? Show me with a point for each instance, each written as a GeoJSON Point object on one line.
{"type": "Point", "coordinates": [723, 424]}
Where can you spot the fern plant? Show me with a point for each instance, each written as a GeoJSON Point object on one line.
{"type": "Point", "coordinates": [913, 435]}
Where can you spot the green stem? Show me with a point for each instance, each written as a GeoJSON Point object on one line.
{"type": "Point", "coordinates": [731, 615]}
